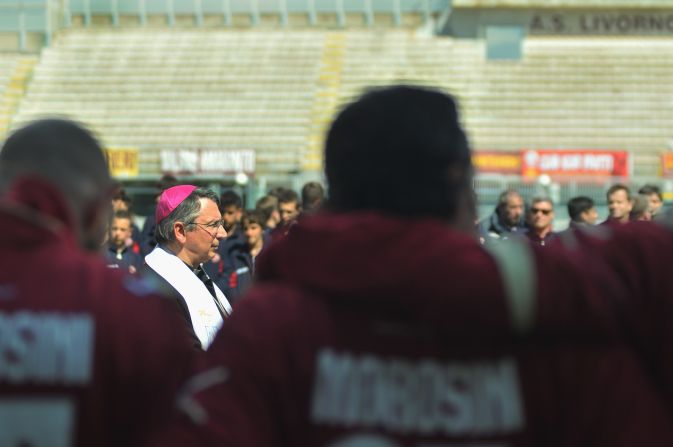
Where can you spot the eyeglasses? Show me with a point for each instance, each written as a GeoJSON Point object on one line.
{"type": "Point", "coordinates": [540, 210]}
{"type": "Point", "coordinates": [213, 226]}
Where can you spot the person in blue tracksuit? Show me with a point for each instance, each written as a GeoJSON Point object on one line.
{"type": "Point", "coordinates": [119, 252]}
{"type": "Point", "coordinates": [241, 255]}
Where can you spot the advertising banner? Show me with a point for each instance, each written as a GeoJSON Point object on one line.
{"type": "Point", "coordinates": [574, 163]}
{"type": "Point", "coordinates": [123, 161]}
{"type": "Point", "coordinates": [497, 162]}
{"type": "Point", "coordinates": [603, 22]}
{"type": "Point", "coordinates": [208, 161]}
{"type": "Point", "coordinates": [667, 164]}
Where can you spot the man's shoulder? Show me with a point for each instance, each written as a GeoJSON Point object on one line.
{"type": "Point", "coordinates": [148, 280]}
{"type": "Point", "coordinates": [485, 224]}
{"type": "Point", "coordinates": [278, 306]}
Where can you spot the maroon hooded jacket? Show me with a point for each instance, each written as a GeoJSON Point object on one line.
{"type": "Point", "coordinates": [85, 359]}
{"type": "Point", "coordinates": [374, 331]}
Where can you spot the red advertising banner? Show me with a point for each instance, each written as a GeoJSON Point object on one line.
{"type": "Point", "coordinates": [574, 163]}
{"type": "Point", "coordinates": [667, 164]}
{"type": "Point", "coordinates": [497, 162]}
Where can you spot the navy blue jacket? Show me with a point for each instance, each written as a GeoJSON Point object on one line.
{"type": "Point", "coordinates": [492, 229]}
{"type": "Point", "coordinates": [234, 271]}
{"type": "Point", "coordinates": [220, 267]}
{"type": "Point", "coordinates": [147, 239]}
{"type": "Point", "coordinates": [127, 260]}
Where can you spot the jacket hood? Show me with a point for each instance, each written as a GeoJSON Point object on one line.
{"type": "Point", "coordinates": [416, 266]}
{"type": "Point", "coordinates": [494, 224]}
{"type": "Point", "coordinates": [34, 211]}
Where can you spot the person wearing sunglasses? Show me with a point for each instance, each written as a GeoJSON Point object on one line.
{"type": "Point", "coordinates": [540, 217]}
{"type": "Point", "coordinates": [189, 231]}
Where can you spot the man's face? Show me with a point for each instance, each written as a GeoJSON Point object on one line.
{"type": "Point", "coordinates": [655, 203]}
{"type": "Point", "coordinates": [253, 234]}
{"type": "Point", "coordinates": [619, 205]}
{"type": "Point", "coordinates": [202, 241]}
{"type": "Point", "coordinates": [541, 215]}
{"type": "Point", "coordinates": [231, 215]}
{"type": "Point", "coordinates": [589, 216]}
{"type": "Point", "coordinates": [120, 231]}
{"type": "Point", "coordinates": [288, 211]}
{"type": "Point", "coordinates": [513, 209]}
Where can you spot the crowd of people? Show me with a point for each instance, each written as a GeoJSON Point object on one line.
{"type": "Point", "coordinates": [382, 315]}
{"type": "Point", "coordinates": [536, 220]}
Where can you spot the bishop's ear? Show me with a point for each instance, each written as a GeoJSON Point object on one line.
{"type": "Point", "coordinates": [180, 231]}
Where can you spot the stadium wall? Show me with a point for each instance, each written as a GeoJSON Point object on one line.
{"type": "Point", "coordinates": [473, 22]}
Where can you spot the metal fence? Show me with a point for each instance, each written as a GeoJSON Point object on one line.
{"type": "Point", "coordinates": [254, 8]}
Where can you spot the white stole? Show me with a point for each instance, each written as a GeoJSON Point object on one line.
{"type": "Point", "coordinates": [206, 318]}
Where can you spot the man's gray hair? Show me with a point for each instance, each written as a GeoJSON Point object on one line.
{"type": "Point", "coordinates": [504, 197]}
{"type": "Point", "coordinates": [186, 212]}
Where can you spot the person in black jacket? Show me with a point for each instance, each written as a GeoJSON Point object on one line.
{"type": "Point", "coordinates": [507, 218]}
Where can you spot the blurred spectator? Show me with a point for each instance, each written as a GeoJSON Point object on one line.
{"type": "Point", "coordinates": [312, 196]}
{"type": "Point", "coordinates": [582, 211]}
{"type": "Point", "coordinates": [243, 254]}
{"type": "Point", "coordinates": [219, 267]}
{"type": "Point", "coordinates": [231, 207]}
{"type": "Point", "coordinates": [86, 358]}
{"type": "Point", "coordinates": [119, 253]}
{"type": "Point", "coordinates": [619, 203]}
{"type": "Point", "coordinates": [147, 239]}
{"type": "Point", "coordinates": [122, 201]}
{"type": "Point", "coordinates": [507, 218]}
{"type": "Point", "coordinates": [189, 230]}
{"type": "Point", "coordinates": [268, 207]}
{"type": "Point", "coordinates": [540, 220]}
{"type": "Point", "coordinates": [640, 208]}
{"type": "Point", "coordinates": [277, 191]}
{"type": "Point", "coordinates": [655, 198]}
{"type": "Point", "coordinates": [288, 206]}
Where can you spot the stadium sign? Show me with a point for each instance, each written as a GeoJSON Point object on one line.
{"type": "Point", "coordinates": [123, 162]}
{"type": "Point", "coordinates": [497, 162]}
{"type": "Point", "coordinates": [208, 161]}
{"type": "Point", "coordinates": [574, 163]}
{"type": "Point", "coordinates": [611, 23]}
{"type": "Point", "coordinates": [667, 164]}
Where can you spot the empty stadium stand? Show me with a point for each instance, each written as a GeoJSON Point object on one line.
{"type": "Point", "coordinates": [589, 93]}
{"type": "Point", "coordinates": [185, 89]}
{"type": "Point", "coordinates": [15, 70]}
{"type": "Point", "coordinates": [275, 91]}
